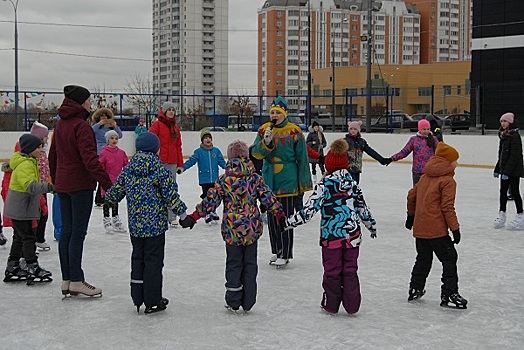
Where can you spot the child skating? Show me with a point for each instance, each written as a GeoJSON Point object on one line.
{"type": "Point", "coordinates": [431, 213]}
{"type": "Point", "coordinates": [341, 204]}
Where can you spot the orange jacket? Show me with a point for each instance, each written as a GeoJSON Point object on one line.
{"type": "Point", "coordinates": [432, 200]}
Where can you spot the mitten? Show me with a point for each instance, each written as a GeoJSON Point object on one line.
{"type": "Point", "coordinates": [268, 136]}
{"type": "Point", "coordinates": [282, 222]}
{"type": "Point", "coordinates": [387, 161]}
{"type": "Point", "coordinates": [180, 171]}
{"type": "Point", "coordinates": [373, 231]}
{"type": "Point", "coordinates": [50, 188]}
{"type": "Point", "coordinates": [504, 177]}
{"type": "Point", "coordinates": [495, 174]}
{"type": "Point", "coordinates": [409, 221]}
{"type": "Point", "coordinates": [188, 221]}
{"type": "Point", "coordinates": [456, 236]}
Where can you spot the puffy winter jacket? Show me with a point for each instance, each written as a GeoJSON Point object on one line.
{"type": "Point", "coordinates": [432, 200]}
{"type": "Point", "coordinates": [239, 189]}
{"type": "Point", "coordinates": [170, 149]}
{"type": "Point", "coordinates": [510, 154]}
{"type": "Point", "coordinates": [417, 144]}
{"type": "Point", "coordinates": [341, 204]}
{"type": "Point", "coordinates": [150, 191]}
{"type": "Point", "coordinates": [208, 161]}
{"type": "Point", "coordinates": [113, 159]}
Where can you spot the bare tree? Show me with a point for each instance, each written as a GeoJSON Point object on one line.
{"type": "Point", "coordinates": [140, 95]}
{"type": "Point", "coordinates": [241, 107]}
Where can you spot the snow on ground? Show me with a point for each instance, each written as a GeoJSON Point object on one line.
{"type": "Point", "coordinates": [287, 313]}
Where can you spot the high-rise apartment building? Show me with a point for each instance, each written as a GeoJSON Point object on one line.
{"type": "Point", "coordinates": [445, 30]}
{"type": "Point", "coordinates": [295, 37]}
{"type": "Point", "coordinates": [190, 50]}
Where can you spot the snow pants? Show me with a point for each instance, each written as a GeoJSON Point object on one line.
{"type": "Point", "coordinates": [445, 251]}
{"type": "Point", "coordinates": [241, 276]}
{"type": "Point", "coordinates": [340, 281]}
{"type": "Point", "coordinates": [147, 262]}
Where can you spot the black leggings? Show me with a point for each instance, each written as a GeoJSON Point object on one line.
{"type": "Point", "coordinates": [513, 184]}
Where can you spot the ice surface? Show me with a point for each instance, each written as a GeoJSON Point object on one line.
{"type": "Point", "coordinates": [287, 313]}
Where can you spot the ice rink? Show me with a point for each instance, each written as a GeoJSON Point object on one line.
{"type": "Point", "coordinates": [287, 313]}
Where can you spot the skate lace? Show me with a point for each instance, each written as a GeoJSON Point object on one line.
{"type": "Point", "coordinates": [87, 285]}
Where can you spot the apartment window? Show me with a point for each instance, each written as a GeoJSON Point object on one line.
{"type": "Point", "coordinates": [279, 33]}
{"type": "Point", "coordinates": [279, 52]}
{"type": "Point", "coordinates": [279, 73]}
{"type": "Point", "coordinates": [446, 90]}
{"type": "Point", "coordinates": [424, 91]}
{"type": "Point", "coordinates": [459, 90]}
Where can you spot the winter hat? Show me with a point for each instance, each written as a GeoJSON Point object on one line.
{"type": "Point", "coordinates": [337, 157]}
{"type": "Point", "coordinates": [237, 149]}
{"type": "Point", "coordinates": [447, 152]}
{"type": "Point", "coordinates": [140, 121]}
{"type": "Point", "coordinates": [423, 123]}
{"type": "Point", "coordinates": [509, 117]}
{"type": "Point", "coordinates": [147, 142]}
{"type": "Point", "coordinates": [357, 125]}
{"type": "Point", "coordinates": [79, 94]}
{"type": "Point", "coordinates": [166, 105]}
{"type": "Point", "coordinates": [279, 104]}
{"type": "Point", "coordinates": [109, 134]}
{"type": "Point", "coordinates": [315, 123]}
{"type": "Point", "coordinates": [102, 111]}
{"type": "Point", "coordinates": [205, 133]}
{"type": "Point", "coordinates": [28, 143]}
{"type": "Point", "coordinates": [39, 130]}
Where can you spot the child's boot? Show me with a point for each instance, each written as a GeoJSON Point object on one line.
{"type": "Point", "coordinates": [44, 246]}
{"type": "Point", "coordinates": [3, 239]}
{"type": "Point", "coordinates": [118, 226]}
{"type": "Point", "coordinates": [500, 220]}
{"type": "Point", "coordinates": [107, 225]}
{"type": "Point", "coordinates": [517, 223]}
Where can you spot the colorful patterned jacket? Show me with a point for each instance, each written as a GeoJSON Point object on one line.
{"type": "Point", "coordinates": [417, 144]}
{"type": "Point", "coordinates": [286, 167]}
{"type": "Point", "coordinates": [150, 191]}
{"type": "Point", "coordinates": [239, 189]}
{"type": "Point", "coordinates": [342, 206]}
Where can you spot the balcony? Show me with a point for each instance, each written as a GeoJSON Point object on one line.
{"type": "Point", "coordinates": [208, 21]}
{"type": "Point", "coordinates": [208, 13]}
{"type": "Point", "coordinates": [208, 54]}
{"type": "Point", "coordinates": [208, 47]}
{"type": "Point", "coordinates": [208, 71]}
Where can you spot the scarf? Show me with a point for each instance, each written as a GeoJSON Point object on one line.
{"type": "Point", "coordinates": [171, 123]}
{"type": "Point", "coordinates": [207, 148]}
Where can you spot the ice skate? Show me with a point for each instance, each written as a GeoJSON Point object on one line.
{"type": "Point", "coordinates": [326, 311]}
{"type": "Point", "coordinates": [43, 246]}
{"type": "Point", "coordinates": [215, 218]}
{"type": "Point", "coordinates": [273, 258]}
{"type": "Point", "coordinates": [3, 239]}
{"type": "Point", "coordinates": [107, 225]}
{"type": "Point", "coordinates": [161, 306]}
{"type": "Point", "coordinates": [517, 224]}
{"type": "Point", "coordinates": [65, 287]}
{"type": "Point", "coordinates": [174, 223]}
{"type": "Point", "coordinates": [118, 226]}
{"type": "Point", "coordinates": [500, 220]}
{"type": "Point", "coordinates": [453, 301]}
{"type": "Point", "coordinates": [14, 273]}
{"type": "Point", "coordinates": [231, 309]}
{"type": "Point", "coordinates": [37, 274]}
{"type": "Point", "coordinates": [82, 287]}
{"type": "Point", "coordinates": [415, 294]}
{"type": "Point", "coordinates": [208, 219]}
{"type": "Point", "coordinates": [281, 263]}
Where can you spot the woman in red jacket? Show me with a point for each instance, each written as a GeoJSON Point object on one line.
{"type": "Point", "coordinates": [170, 153]}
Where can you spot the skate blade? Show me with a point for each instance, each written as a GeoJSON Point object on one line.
{"type": "Point", "coordinates": [38, 280]}
{"type": "Point", "coordinates": [230, 309]}
{"type": "Point", "coordinates": [76, 294]}
{"type": "Point", "coordinates": [16, 279]}
{"type": "Point", "coordinates": [454, 307]}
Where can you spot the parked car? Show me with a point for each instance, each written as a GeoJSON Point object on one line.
{"type": "Point", "coordinates": [458, 121]}
{"type": "Point", "coordinates": [388, 123]}
{"type": "Point", "coordinates": [213, 128]}
{"type": "Point", "coordinates": [419, 116]}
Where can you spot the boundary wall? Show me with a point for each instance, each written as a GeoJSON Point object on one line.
{"type": "Point", "coordinates": [475, 150]}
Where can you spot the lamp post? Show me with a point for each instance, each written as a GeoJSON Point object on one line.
{"type": "Point", "coordinates": [372, 6]}
{"type": "Point", "coordinates": [308, 99]}
{"type": "Point", "coordinates": [15, 7]}
{"type": "Point", "coordinates": [333, 106]}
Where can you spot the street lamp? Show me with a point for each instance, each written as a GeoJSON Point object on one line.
{"type": "Point", "coordinates": [308, 99]}
{"type": "Point", "coordinates": [15, 7]}
{"type": "Point", "coordinates": [372, 6]}
{"type": "Point", "coordinates": [333, 106]}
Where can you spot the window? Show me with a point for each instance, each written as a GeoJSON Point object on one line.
{"type": "Point", "coordinates": [446, 90]}
{"type": "Point", "coordinates": [424, 91]}
{"type": "Point", "coordinates": [459, 90]}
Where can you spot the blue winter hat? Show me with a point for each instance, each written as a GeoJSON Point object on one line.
{"type": "Point", "coordinates": [147, 142]}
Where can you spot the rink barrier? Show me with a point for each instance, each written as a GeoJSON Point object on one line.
{"type": "Point", "coordinates": [478, 151]}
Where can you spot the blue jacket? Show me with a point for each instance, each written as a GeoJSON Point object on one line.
{"type": "Point", "coordinates": [151, 191]}
{"type": "Point", "coordinates": [342, 206]}
{"type": "Point", "coordinates": [208, 162]}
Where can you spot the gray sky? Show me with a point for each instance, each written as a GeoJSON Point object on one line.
{"type": "Point", "coordinates": [50, 72]}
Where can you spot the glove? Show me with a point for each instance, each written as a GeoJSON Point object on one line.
{"type": "Point", "coordinates": [373, 232]}
{"type": "Point", "coordinates": [456, 236]}
{"type": "Point", "coordinates": [409, 221]}
{"type": "Point", "coordinates": [50, 188]}
{"type": "Point", "coordinates": [180, 171]}
{"type": "Point", "coordinates": [282, 222]}
{"type": "Point", "coordinates": [188, 221]}
{"type": "Point", "coordinates": [504, 177]}
{"type": "Point", "coordinates": [321, 159]}
{"type": "Point", "coordinates": [268, 136]}
{"type": "Point", "coordinates": [495, 174]}
{"type": "Point", "coordinates": [387, 161]}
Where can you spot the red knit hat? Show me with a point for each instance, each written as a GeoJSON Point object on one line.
{"type": "Point", "coordinates": [337, 157]}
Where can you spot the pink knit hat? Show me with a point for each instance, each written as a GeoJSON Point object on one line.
{"type": "Point", "coordinates": [355, 125]}
{"type": "Point", "coordinates": [39, 130]}
{"type": "Point", "coordinates": [509, 117]}
{"type": "Point", "coordinates": [423, 123]}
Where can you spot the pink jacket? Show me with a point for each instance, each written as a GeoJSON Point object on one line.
{"type": "Point", "coordinates": [113, 159]}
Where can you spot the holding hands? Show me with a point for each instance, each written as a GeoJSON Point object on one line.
{"type": "Point", "coordinates": [188, 220]}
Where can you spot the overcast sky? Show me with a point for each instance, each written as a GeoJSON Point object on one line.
{"type": "Point", "coordinates": [39, 70]}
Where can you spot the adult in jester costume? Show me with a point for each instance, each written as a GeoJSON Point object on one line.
{"type": "Point", "coordinates": [282, 146]}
